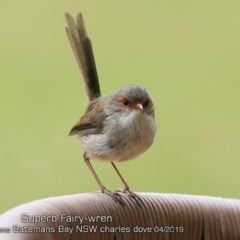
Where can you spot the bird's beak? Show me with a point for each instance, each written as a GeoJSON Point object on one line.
{"type": "Point", "coordinates": [139, 106]}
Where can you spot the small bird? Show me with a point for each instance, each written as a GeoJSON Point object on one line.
{"type": "Point", "coordinates": [114, 128]}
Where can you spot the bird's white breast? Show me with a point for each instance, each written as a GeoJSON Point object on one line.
{"type": "Point", "coordinates": [124, 137]}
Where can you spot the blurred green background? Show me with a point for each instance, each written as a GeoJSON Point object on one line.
{"type": "Point", "coordinates": [185, 53]}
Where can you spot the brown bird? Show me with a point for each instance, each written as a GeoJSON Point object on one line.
{"type": "Point", "coordinates": [114, 128]}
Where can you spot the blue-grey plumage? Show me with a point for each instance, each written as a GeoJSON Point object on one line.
{"type": "Point", "coordinates": [126, 130]}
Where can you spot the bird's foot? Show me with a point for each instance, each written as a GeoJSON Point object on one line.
{"type": "Point", "coordinates": [115, 196]}
{"type": "Point", "coordinates": [131, 194]}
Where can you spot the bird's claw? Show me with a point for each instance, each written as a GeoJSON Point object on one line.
{"type": "Point", "coordinates": [131, 194]}
{"type": "Point", "coordinates": [115, 196]}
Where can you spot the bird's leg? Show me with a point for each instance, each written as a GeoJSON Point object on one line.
{"type": "Point", "coordinates": [126, 187]}
{"type": "Point", "coordinates": [116, 197]}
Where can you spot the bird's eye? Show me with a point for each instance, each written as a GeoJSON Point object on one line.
{"type": "Point", "coordinates": [125, 102]}
{"type": "Point", "coordinates": [146, 102]}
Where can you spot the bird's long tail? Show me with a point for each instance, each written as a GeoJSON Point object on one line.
{"type": "Point", "coordinates": [83, 52]}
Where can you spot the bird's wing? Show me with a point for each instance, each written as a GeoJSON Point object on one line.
{"type": "Point", "coordinates": [83, 52]}
{"type": "Point", "coordinates": [92, 121]}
